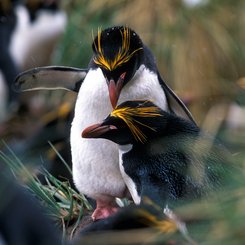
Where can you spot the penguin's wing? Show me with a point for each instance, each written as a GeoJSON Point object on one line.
{"type": "Point", "coordinates": [50, 78]}
{"type": "Point", "coordinates": [176, 105]}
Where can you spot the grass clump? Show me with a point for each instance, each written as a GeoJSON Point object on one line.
{"type": "Point", "coordinates": [64, 204]}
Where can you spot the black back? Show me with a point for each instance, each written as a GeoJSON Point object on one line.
{"type": "Point", "coordinates": [177, 163]}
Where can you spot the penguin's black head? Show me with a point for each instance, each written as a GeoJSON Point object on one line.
{"type": "Point", "coordinates": [131, 122]}
{"type": "Point", "coordinates": [118, 51]}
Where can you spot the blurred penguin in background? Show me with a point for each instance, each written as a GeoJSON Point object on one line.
{"type": "Point", "coordinates": [40, 25]}
{"type": "Point", "coordinates": [29, 32]}
{"type": "Point", "coordinates": [8, 66]}
{"type": "Point", "coordinates": [22, 219]}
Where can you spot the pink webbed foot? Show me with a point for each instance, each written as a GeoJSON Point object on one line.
{"type": "Point", "coordinates": [103, 210]}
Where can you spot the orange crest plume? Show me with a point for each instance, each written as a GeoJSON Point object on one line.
{"type": "Point", "coordinates": [127, 114]}
{"type": "Point", "coordinates": [123, 55]}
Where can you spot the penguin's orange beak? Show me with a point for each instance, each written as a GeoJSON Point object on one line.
{"type": "Point", "coordinates": [115, 89]}
{"type": "Point", "coordinates": [96, 130]}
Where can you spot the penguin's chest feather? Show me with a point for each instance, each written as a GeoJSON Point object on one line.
{"type": "Point", "coordinates": [95, 161]}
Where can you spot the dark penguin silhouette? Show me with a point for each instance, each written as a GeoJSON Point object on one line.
{"type": "Point", "coordinates": [8, 66]}
{"type": "Point", "coordinates": [162, 156]}
{"type": "Point", "coordinates": [22, 219]}
{"type": "Point", "coordinates": [134, 224]}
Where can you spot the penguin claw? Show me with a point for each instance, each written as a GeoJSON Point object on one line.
{"type": "Point", "coordinates": [103, 212]}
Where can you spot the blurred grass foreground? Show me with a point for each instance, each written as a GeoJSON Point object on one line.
{"type": "Point", "coordinates": [199, 49]}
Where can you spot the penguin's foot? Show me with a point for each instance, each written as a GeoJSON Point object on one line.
{"type": "Point", "coordinates": [103, 210]}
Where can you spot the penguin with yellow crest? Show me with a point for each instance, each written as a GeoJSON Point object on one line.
{"type": "Point", "coordinates": [122, 68]}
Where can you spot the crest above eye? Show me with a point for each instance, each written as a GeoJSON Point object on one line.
{"type": "Point", "coordinates": [129, 114]}
{"type": "Point", "coordinates": [123, 55]}
{"type": "Point", "coordinates": [143, 110]}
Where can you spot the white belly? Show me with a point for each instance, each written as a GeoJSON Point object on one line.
{"type": "Point", "coordinates": [95, 161]}
{"type": "Point", "coordinates": [96, 170]}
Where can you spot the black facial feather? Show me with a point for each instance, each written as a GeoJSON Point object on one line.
{"type": "Point", "coordinates": [116, 50]}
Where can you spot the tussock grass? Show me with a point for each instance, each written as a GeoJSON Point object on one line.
{"type": "Point", "coordinates": [64, 204]}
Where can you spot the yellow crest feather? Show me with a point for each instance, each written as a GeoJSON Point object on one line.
{"type": "Point", "coordinates": [165, 226]}
{"type": "Point", "coordinates": [127, 114]}
{"type": "Point", "coordinates": [121, 57]}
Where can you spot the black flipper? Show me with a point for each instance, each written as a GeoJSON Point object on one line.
{"type": "Point", "coordinates": [50, 78]}
{"type": "Point", "coordinates": [176, 105]}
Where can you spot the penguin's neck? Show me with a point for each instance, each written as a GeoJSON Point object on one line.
{"type": "Point", "coordinates": [125, 169]}
{"type": "Point", "coordinates": [145, 85]}
{"type": "Point", "coordinates": [132, 149]}
{"type": "Point", "coordinates": [125, 148]}
{"type": "Point", "coordinates": [175, 125]}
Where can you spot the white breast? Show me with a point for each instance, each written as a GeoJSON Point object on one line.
{"type": "Point", "coordinates": [95, 161]}
{"type": "Point", "coordinates": [96, 170]}
{"type": "Point", "coordinates": [129, 182]}
{"type": "Point", "coordinates": [144, 85]}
